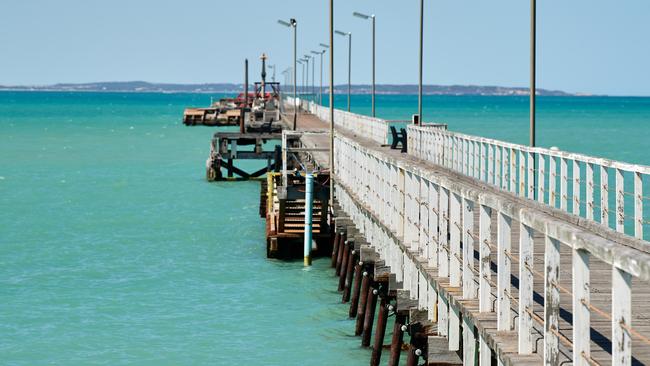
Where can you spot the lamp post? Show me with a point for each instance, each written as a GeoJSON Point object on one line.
{"type": "Point", "coordinates": [366, 17]}
{"type": "Point", "coordinates": [293, 24]}
{"type": "Point", "coordinates": [302, 80]}
{"type": "Point", "coordinates": [331, 103]}
{"type": "Point", "coordinates": [533, 40]}
{"type": "Point", "coordinates": [325, 48]}
{"type": "Point", "coordinates": [307, 59]}
{"type": "Point", "coordinates": [320, 90]}
{"type": "Point", "coordinates": [349, 34]}
{"type": "Point", "coordinates": [421, 57]}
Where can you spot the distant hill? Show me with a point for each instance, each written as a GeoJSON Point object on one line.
{"type": "Point", "coordinates": [146, 87]}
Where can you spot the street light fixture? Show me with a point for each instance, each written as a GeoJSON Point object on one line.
{"type": "Point", "coordinates": [302, 80]}
{"type": "Point", "coordinates": [292, 23]}
{"type": "Point", "coordinates": [320, 90]}
{"type": "Point", "coordinates": [420, 120]}
{"type": "Point", "coordinates": [309, 58]}
{"type": "Point", "coordinates": [366, 17]}
{"type": "Point", "coordinates": [349, 34]}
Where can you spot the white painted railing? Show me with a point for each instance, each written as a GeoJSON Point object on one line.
{"type": "Point", "coordinates": [606, 191]}
{"type": "Point", "coordinates": [375, 129]}
{"type": "Point", "coordinates": [418, 220]}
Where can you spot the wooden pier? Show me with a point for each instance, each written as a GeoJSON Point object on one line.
{"type": "Point", "coordinates": [453, 239]}
{"type": "Point", "coordinates": [484, 252]}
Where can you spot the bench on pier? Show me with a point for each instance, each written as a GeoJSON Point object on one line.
{"type": "Point", "coordinates": [398, 138]}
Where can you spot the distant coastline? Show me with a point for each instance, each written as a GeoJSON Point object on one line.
{"type": "Point", "coordinates": [146, 87]}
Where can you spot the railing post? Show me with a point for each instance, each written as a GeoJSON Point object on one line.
{"type": "Point", "coordinates": [469, 342]}
{"type": "Point", "coordinates": [485, 353]}
{"type": "Point", "coordinates": [551, 301]}
{"type": "Point", "coordinates": [526, 249]}
{"type": "Point", "coordinates": [575, 206]}
{"type": "Point", "coordinates": [505, 177]}
{"type": "Point", "coordinates": [581, 315]}
{"type": "Point", "coordinates": [485, 235]}
{"type": "Point", "coordinates": [564, 177]}
{"type": "Point", "coordinates": [620, 201]}
{"type": "Point", "coordinates": [530, 158]}
{"type": "Point", "coordinates": [424, 217]}
{"type": "Point", "coordinates": [604, 196]}
{"type": "Point", "coordinates": [621, 316]}
{"type": "Point", "coordinates": [504, 320]}
{"type": "Point", "coordinates": [638, 205]}
{"type": "Point", "coordinates": [513, 171]}
{"type": "Point", "coordinates": [552, 181]}
{"type": "Point", "coordinates": [400, 201]}
{"type": "Point", "coordinates": [491, 175]}
{"type": "Point", "coordinates": [454, 236]}
{"type": "Point", "coordinates": [443, 242]}
{"type": "Point", "coordinates": [434, 220]}
{"type": "Point", "coordinates": [541, 178]}
{"type": "Point", "coordinates": [497, 165]}
{"type": "Point", "coordinates": [589, 190]}
{"type": "Point", "coordinates": [523, 192]}
{"type": "Point", "coordinates": [469, 287]}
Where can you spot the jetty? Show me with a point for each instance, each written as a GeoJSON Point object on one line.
{"type": "Point", "coordinates": [484, 252]}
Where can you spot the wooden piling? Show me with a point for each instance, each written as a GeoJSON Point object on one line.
{"type": "Point", "coordinates": [230, 168]}
{"type": "Point", "coordinates": [382, 318]}
{"type": "Point", "coordinates": [417, 344]}
{"type": "Point", "coordinates": [356, 288]}
{"type": "Point", "coordinates": [335, 248]}
{"type": "Point", "coordinates": [398, 338]}
{"type": "Point", "coordinates": [349, 273]}
{"type": "Point", "coordinates": [339, 254]}
{"type": "Point", "coordinates": [361, 309]}
{"type": "Point", "coordinates": [371, 306]}
{"type": "Point", "coordinates": [344, 265]}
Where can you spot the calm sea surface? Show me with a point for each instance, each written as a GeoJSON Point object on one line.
{"type": "Point", "coordinates": [114, 249]}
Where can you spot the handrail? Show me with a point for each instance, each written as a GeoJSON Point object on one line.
{"type": "Point", "coordinates": [546, 175]}
{"type": "Point", "coordinates": [416, 218]}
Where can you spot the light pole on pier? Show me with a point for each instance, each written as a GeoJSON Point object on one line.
{"type": "Point", "coordinates": [325, 48]}
{"type": "Point", "coordinates": [320, 91]}
{"type": "Point", "coordinates": [366, 17]}
{"type": "Point", "coordinates": [293, 24]}
{"type": "Point", "coordinates": [302, 80]}
{"type": "Point", "coordinates": [533, 31]}
{"type": "Point", "coordinates": [349, 34]}
{"type": "Point", "coordinates": [309, 58]}
{"type": "Point", "coordinates": [331, 200]}
{"type": "Point", "coordinates": [421, 57]}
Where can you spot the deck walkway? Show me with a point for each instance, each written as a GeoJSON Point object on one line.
{"type": "Point", "coordinates": [419, 246]}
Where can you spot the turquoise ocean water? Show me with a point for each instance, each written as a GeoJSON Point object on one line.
{"type": "Point", "coordinates": [114, 249]}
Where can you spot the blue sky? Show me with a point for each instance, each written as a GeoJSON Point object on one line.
{"type": "Point", "coordinates": [594, 46]}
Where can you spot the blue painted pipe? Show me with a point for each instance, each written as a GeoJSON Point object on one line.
{"type": "Point", "coordinates": [309, 195]}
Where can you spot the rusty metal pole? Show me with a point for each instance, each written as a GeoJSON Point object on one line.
{"type": "Point", "coordinates": [335, 248]}
{"type": "Point", "coordinates": [331, 157]}
{"type": "Point", "coordinates": [398, 338]}
{"type": "Point", "coordinates": [349, 273]}
{"type": "Point", "coordinates": [371, 306]}
{"type": "Point", "coordinates": [417, 344]}
{"type": "Point", "coordinates": [382, 318]}
{"type": "Point", "coordinates": [339, 256]}
{"type": "Point", "coordinates": [356, 288]}
{"type": "Point", "coordinates": [344, 265]}
{"type": "Point", "coordinates": [363, 297]}
{"type": "Point", "coordinates": [242, 127]}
